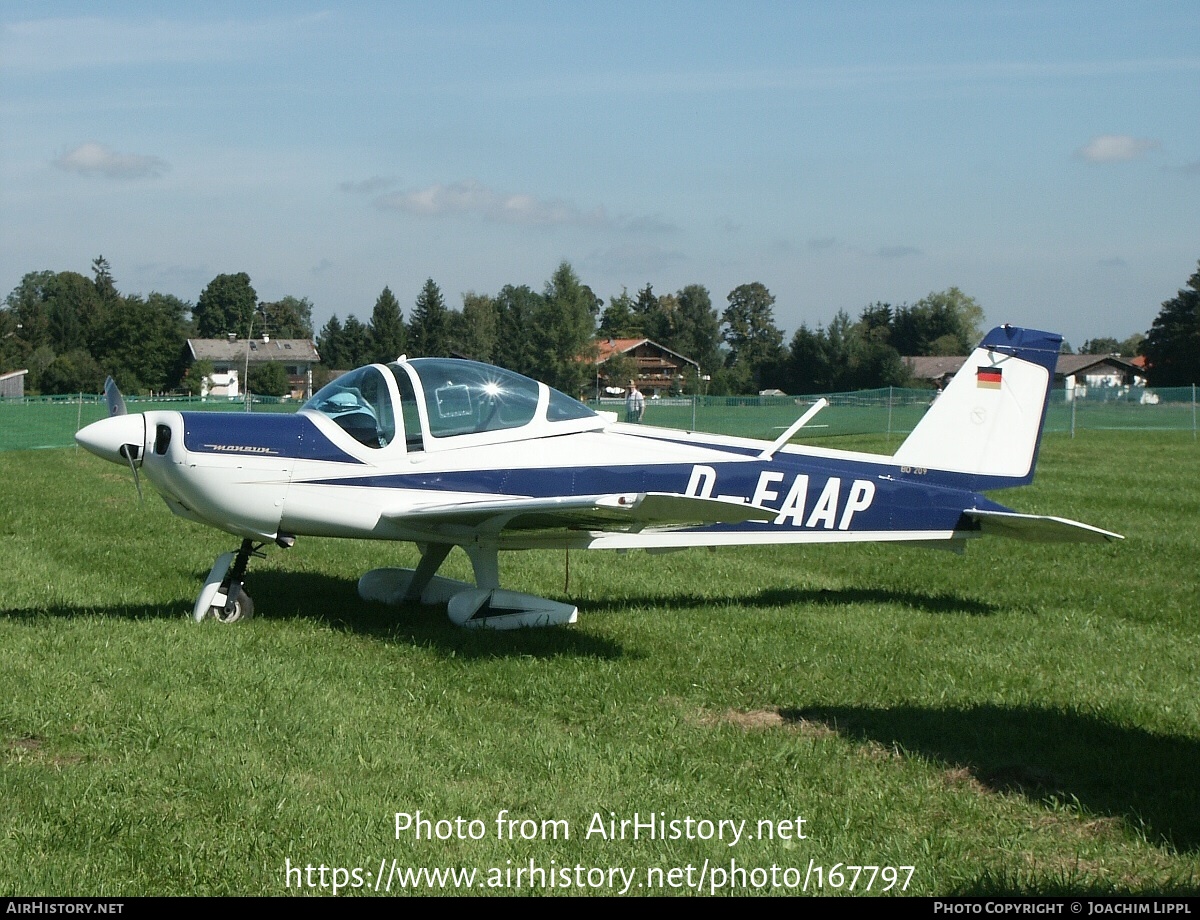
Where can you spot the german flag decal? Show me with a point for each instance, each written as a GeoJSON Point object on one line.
{"type": "Point", "coordinates": [988, 377]}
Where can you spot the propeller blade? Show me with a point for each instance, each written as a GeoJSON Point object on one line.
{"type": "Point", "coordinates": [129, 452]}
{"type": "Point", "coordinates": [112, 395]}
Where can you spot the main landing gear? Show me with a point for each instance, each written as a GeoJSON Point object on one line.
{"type": "Point", "coordinates": [223, 598]}
{"type": "Point", "coordinates": [484, 605]}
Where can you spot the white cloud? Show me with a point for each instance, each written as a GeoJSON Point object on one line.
{"type": "Point", "coordinates": [92, 159]}
{"type": "Point", "coordinates": [471, 197]}
{"type": "Point", "coordinates": [1115, 148]}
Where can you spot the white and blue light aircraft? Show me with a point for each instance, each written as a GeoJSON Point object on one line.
{"type": "Point", "coordinates": [444, 453]}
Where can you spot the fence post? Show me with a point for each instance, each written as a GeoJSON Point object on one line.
{"type": "Point", "coordinates": [889, 431]}
{"type": "Point", "coordinates": [693, 412]}
{"type": "Point", "coordinates": [1193, 411]}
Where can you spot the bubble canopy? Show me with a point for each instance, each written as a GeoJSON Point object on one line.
{"type": "Point", "coordinates": [437, 403]}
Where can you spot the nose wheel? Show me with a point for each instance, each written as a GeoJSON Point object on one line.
{"type": "Point", "coordinates": [243, 609]}
{"type": "Point", "coordinates": [222, 598]}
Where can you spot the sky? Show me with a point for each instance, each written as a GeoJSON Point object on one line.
{"type": "Point", "coordinates": [1043, 157]}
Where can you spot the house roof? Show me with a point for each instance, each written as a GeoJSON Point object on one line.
{"type": "Point", "coordinates": [606, 348]}
{"type": "Point", "coordinates": [290, 351]}
{"type": "Point", "coordinates": [934, 367]}
{"type": "Point", "coordinates": [1081, 364]}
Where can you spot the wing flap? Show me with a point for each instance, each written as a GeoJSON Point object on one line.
{"type": "Point", "coordinates": [612, 512]}
{"type": "Point", "coordinates": [1038, 528]}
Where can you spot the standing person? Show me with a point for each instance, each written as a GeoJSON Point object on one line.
{"type": "Point", "coordinates": [635, 404]}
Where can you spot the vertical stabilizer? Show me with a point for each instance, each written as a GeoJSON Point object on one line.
{"type": "Point", "coordinates": [987, 423]}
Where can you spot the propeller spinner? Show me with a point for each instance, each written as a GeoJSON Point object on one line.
{"type": "Point", "coordinates": [120, 438]}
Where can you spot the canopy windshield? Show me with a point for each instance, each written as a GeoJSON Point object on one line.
{"type": "Point", "coordinates": [460, 397]}
{"type": "Point", "coordinates": [465, 397]}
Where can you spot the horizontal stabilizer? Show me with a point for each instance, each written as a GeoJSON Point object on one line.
{"type": "Point", "coordinates": [1038, 528]}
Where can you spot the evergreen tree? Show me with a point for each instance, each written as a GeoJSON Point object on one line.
{"type": "Point", "coordinates": [564, 332]}
{"type": "Point", "coordinates": [478, 327]}
{"type": "Point", "coordinates": [697, 328]}
{"type": "Point", "coordinates": [386, 329]}
{"type": "Point", "coordinates": [618, 321]}
{"type": "Point", "coordinates": [429, 324]}
{"type": "Point", "coordinates": [516, 311]}
{"type": "Point", "coordinates": [330, 345]}
{"type": "Point", "coordinates": [1172, 346]}
{"type": "Point", "coordinates": [356, 346]}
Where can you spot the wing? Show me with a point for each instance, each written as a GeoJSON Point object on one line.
{"type": "Point", "coordinates": [628, 512]}
{"type": "Point", "coordinates": [1038, 528]}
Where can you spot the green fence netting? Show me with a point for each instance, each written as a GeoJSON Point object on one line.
{"type": "Point", "coordinates": [31, 423]}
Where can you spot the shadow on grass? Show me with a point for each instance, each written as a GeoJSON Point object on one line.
{"type": "Point", "coordinates": [801, 597]}
{"type": "Point", "coordinates": [1050, 756]}
{"type": "Point", "coordinates": [334, 602]}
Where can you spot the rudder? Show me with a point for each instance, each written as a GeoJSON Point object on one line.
{"type": "Point", "coordinates": [987, 423]}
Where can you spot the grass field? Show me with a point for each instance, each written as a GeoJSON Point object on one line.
{"type": "Point", "coordinates": [1019, 719]}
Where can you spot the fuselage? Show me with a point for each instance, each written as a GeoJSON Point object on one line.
{"type": "Point", "coordinates": [260, 476]}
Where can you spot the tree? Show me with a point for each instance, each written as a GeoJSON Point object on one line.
{"type": "Point", "coordinates": [1106, 345]}
{"type": "Point", "coordinates": [225, 306]}
{"type": "Point", "coordinates": [697, 328]}
{"type": "Point", "coordinates": [478, 327]}
{"type": "Point", "coordinates": [141, 342]}
{"type": "Point", "coordinates": [1101, 346]}
{"type": "Point", "coordinates": [289, 318]}
{"type": "Point", "coordinates": [356, 347]}
{"type": "Point", "coordinates": [1172, 346]}
{"type": "Point", "coordinates": [617, 321]}
{"type": "Point", "coordinates": [193, 379]}
{"type": "Point", "coordinates": [619, 370]}
{"type": "Point", "coordinates": [105, 286]}
{"type": "Point", "coordinates": [385, 331]}
{"type": "Point", "coordinates": [755, 342]}
{"type": "Point", "coordinates": [645, 304]}
{"type": "Point", "coordinates": [74, 372]}
{"type": "Point", "coordinates": [27, 306]}
{"type": "Point", "coordinates": [564, 331]}
{"type": "Point", "coordinates": [940, 323]}
{"type": "Point", "coordinates": [330, 345]}
{"type": "Point", "coordinates": [270, 379]}
{"type": "Point", "coordinates": [516, 309]}
{"type": "Point", "coordinates": [429, 324]}
{"type": "Point", "coordinates": [73, 310]}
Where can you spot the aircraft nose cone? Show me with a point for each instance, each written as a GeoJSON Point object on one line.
{"type": "Point", "coordinates": [106, 437]}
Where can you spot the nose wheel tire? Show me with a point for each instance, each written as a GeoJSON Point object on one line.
{"type": "Point", "coordinates": [243, 609]}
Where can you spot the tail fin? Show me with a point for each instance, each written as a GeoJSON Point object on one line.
{"type": "Point", "coordinates": [987, 424]}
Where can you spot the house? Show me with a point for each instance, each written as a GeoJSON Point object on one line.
{"type": "Point", "coordinates": [1073, 373]}
{"type": "Point", "coordinates": [1079, 372]}
{"type": "Point", "coordinates": [12, 385]}
{"type": "Point", "coordinates": [232, 356]}
{"type": "Point", "coordinates": [659, 371]}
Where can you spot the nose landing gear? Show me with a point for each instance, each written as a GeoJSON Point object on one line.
{"type": "Point", "coordinates": [222, 598]}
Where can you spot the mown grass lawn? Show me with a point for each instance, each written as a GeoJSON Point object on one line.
{"type": "Point", "coordinates": [1019, 719]}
